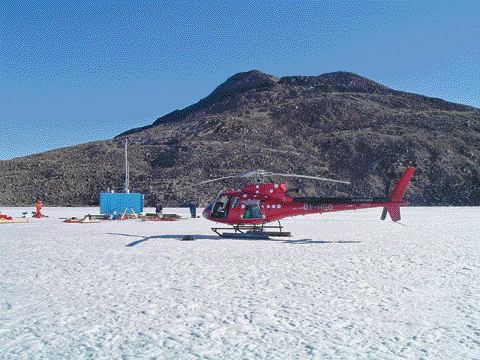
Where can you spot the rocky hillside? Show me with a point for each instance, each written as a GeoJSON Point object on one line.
{"type": "Point", "coordinates": [339, 124]}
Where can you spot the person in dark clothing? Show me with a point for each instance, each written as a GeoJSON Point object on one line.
{"type": "Point", "coordinates": [159, 209]}
{"type": "Point", "coordinates": [193, 209]}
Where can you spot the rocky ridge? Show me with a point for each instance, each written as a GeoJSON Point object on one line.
{"type": "Point", "coordinates": [338, 124]}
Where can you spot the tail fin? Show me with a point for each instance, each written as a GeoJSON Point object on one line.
{"type": "Point", "coordinates": [397, 195]}
{"type": "Point", "coordinates": [402, 185]}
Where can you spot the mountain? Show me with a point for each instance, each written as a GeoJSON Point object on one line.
{"type": "Point", "coordinates": [339, 125]}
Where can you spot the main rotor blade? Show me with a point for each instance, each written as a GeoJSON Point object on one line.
{"type": "Point", "coordinates": [253, 173]}
{"type": "Point", "coordinates": [245, 175]}
{"type": "Point", "coordinates": [218, 179]}
{"type": "Point", "coordinates": [311, 177]}
{"type": "Point", "coordinates": [263, 173]}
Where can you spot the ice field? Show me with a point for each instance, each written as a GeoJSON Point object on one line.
{"type": "Point", "coordinates": [346, 285]}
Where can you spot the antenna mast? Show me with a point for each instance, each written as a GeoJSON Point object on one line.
{"type": "Point", "coordinates": [127, 176]}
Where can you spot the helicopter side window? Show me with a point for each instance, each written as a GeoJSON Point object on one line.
{"type": "Point", "coordinates": [253, 211]}
{"type": "Point", "coordinates": [220, 208]}
{"type": "Point", "coordinates": [235, 203]}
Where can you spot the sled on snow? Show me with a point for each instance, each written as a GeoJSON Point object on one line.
{"type": "Point", "coordinates": [88, 219]}
{"type": "Point", "coordinates": [13, 221]}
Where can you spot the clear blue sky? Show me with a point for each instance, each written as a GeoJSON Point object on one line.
{"type": "Point", "coordinates": [76, 71]}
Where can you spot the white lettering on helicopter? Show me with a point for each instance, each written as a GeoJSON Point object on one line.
{"type": "Point", "coordinates": [326, 207]}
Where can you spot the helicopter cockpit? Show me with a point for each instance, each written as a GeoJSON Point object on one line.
{"type": "Point", "coordinates": [221, 206]}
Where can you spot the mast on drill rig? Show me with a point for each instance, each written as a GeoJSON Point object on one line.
{"type": "Point", "coordinates": [127, 175]}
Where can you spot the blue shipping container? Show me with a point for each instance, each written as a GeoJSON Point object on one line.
{"type": "Point", "coordinates": [119, 202]}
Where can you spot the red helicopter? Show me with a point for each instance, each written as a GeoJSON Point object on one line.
{"type": "Point", "coordinates": [249, 209]}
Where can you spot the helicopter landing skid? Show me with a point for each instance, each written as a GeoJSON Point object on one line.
{"type": "Point", "coordinates": [261, 232]}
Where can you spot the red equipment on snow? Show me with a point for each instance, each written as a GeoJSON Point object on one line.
{"type": "Point", "coordinates": [5, 217]}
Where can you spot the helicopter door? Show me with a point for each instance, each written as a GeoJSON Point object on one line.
{"type": "Point", "coordinates": [220, 207]}
{"type": "Point", "coordinates": [253, 210]}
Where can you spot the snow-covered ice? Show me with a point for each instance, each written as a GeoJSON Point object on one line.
{"type": "Point", "coordinates": [347, 285]}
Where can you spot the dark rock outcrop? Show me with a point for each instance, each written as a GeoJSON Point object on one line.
{"type": "Point", "coordinates": [336, 124]}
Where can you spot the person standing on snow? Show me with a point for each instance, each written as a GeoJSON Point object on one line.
{"type": "Point", "coordinates": [159, 209]}
{"type": "Point", "coordinates": [38, 207]}
{"type": "Point", "coordinates": [193, 209]}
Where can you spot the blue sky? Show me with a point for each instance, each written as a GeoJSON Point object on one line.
{"type": "Point", "coordinates": [72, 72]}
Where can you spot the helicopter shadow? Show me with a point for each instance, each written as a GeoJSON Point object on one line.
{"type": "Point", "coordinates": [310, 241]}
{"type": "Point", "coordinates": [141, 239]}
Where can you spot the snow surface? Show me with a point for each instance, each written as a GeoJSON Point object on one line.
{"type": "Point", "coordinates": [346, 286]}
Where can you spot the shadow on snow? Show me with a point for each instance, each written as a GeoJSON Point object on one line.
{"type": "Point", "coordinates": [213, 237]}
